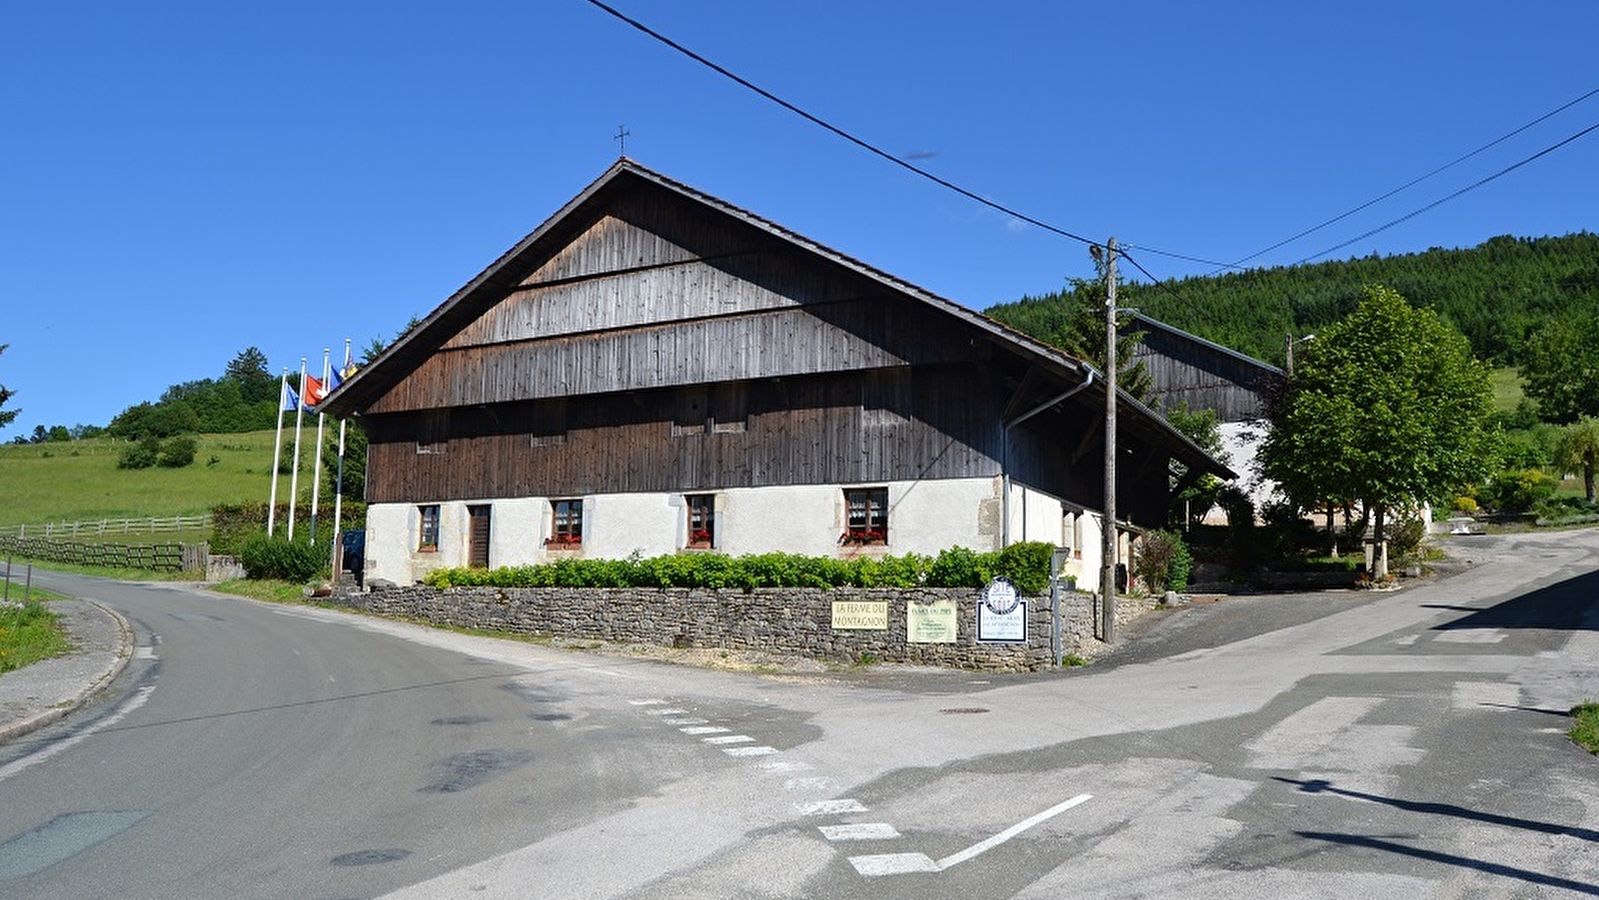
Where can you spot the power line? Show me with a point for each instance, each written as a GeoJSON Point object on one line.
{"type": "Point", "coordinates": [859, 142]}
{"type": "Point", "coordinates": [1439, 202]}
{"type": "Point", "coordinates": [1407, 185]}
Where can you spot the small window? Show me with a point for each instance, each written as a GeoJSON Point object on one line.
{"type": "Point", "coordinates": [867, 521]}
{"type": "Point", "coordinates": [428, 536]}
{"type": "Point", "coordinates": [701, 520]}
{"type": "Point", "coordinates": [566, 527]}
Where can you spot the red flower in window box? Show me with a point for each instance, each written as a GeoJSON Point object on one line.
{"type": "Point", "coordinates": [866, 536]}
{"type": "Point", "coordinates": [563, 541]}
{"type": "Point", "coordinates": [700, 536]}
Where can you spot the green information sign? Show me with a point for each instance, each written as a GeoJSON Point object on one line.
{"type": "Point", "coordinates": [930, 623]}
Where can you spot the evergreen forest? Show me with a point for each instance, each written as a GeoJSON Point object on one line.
{"type": "Point", "coordinates": [1500, 295]}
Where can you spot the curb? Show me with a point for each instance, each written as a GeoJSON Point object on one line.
{"type": "Point", "coordinates": [124, 652]}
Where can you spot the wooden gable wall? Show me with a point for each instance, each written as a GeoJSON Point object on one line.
{"type": "Point", "coordinates": [657, 295]}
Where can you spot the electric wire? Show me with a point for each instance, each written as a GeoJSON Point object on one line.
{"type": "Point", "coordinates": [859, 142]}
{"type": "Point", "coordinates": [1410, 184]}
{"type": "Point", "coordinates": [1442, 200]}
{"type": "Point", "coordinates": [1053, 229]}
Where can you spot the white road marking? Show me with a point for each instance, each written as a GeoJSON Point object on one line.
{"type": "Point", "coordinates": [704, 729]}
{"type": "Point", "coordinates": [893, 864]}
{"type": "Point", "coordinates": [1407, 640]}
{"type": "Point", "coordinates": [669, 711]}
{"type": "Point", "coordinates": [824, 785]}
{"type": "Point", "coordinates": [647, 702]}
{"type": "Point", "coordinates": [690, 721]}
{"type": "Point", "coordinates": [749, 751]}
{"type": "Point", "coordinates": [955, 859]}
{"type": "Point", "coordinates": [783, 765]}
{"type": "Point", "coordinates": [1470, 636]}
{"type": "Point", "coordinates": [133, 703]}
{"type": "Point", "coordinates": [144, 653]}
{"type": "Point", "coordinates": [830, 807]}
{"type": "Point", "coordinates": [875, 865]}
{"type": "Point", "coordinates": [729, 739]}
{"type": "Point", "coordinates": [863, 831]}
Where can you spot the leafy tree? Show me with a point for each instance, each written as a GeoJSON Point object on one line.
{"type": "Point", "coordinates": [1562, 368]}
{"type": "Point", "coordinates": [354, 462]}
{"type": "Point", "coordinates": [6, 415]}
{"type": "Point", "coordinates": [1196, 497]}
{"type": "Point", "coordinates": [155, 420]}
{"type": "Point", "coordinates": [1387, 407]}
{"type": "Point", "coordinates": [1578, 451]}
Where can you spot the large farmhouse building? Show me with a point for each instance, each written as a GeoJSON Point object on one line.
{"type": "Point", "coordinates": [654, 370]}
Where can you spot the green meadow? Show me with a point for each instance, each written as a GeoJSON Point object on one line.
{"type": "Point", "coordinates": [78, 481]}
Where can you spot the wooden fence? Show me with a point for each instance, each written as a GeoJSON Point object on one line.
{"type": "Point", "coordinates": [170, 557]}
{"type": "Point", "coordinates": [102, 527]}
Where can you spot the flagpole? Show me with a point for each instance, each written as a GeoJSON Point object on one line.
{"type": "Point", "coordinates": [316, 483]}
{"type": "Point", "coordinates": [277, 447]}
{"type": "Point", "coordinates": [294, 478]}
{"type": "Point", "coordinates": [338, 478]}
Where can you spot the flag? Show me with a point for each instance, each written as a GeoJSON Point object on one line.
{"type": "Point", "coordinates": [314, 391]}
{"type": "Point", "coordinates": [291, 400]}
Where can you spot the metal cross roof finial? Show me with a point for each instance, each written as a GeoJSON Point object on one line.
{"type": "Point", "coordinates": [621, 138]}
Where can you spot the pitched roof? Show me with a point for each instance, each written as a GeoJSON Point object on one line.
{"type": "Point", "coordinates": [507, 272]}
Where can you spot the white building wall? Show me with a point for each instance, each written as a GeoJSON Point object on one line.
{"type": "Point", "coordinates": [924, 517]}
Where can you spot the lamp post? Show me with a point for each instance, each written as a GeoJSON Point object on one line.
{"type": "Point", "coordinates": [1288, 350]}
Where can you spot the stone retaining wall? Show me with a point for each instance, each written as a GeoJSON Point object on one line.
{"type": "Point", "coordinates": [775, 620]}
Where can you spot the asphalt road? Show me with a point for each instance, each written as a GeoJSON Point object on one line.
{"type": "Point", "coordinates": [1376, 745]}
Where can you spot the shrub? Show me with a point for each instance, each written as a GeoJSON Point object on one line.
{"type": "Point", "coordinates": [177, 452]}
{"type": "Point", "coordinates": [141, 454]}
{"type": "Point", "coordinates": [279, 558]}
{"type": "Point", "coordinates": [962, 567]}
{"type": "Point", "coordinates": [1406, 533]}
{"type": "Point", "coordinates": [1516, 491]}
{"type": "Point", "coordinates": [1027, 565]}
{"type": "Point", "coordinates": [1163, 562]}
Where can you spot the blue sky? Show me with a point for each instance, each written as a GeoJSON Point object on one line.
{"type": "Point", "coordinates": [184, 180]}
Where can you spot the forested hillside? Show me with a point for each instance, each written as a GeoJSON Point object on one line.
{"type": "Point", "coordinates": [1498, 294]}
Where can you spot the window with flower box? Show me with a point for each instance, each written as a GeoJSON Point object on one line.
{"type": "Point", "coordinates": [701, 520]}
{"type": "Point", "coordinates": [428, 534]}
{"type": "Point", "coordinates": [867, 516]}
{"type": "Point", "coordinates": [566, 526]}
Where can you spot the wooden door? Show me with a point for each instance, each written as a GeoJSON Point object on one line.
{"type": "Point", "coordinates": [477, 549]}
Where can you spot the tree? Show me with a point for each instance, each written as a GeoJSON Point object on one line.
{"type": "Point", "coordinates": [249, 370]}
{"type": "Point", "coordinates": [1198, 495]}
{"type": "Point", "coordinates": [6, 415]}
{"type": "Point", "coordinates": [1578, 451]}
{"type": "Point", "coordinates": [1387, 408]}
{"type": "Point", "coordinates": [1562, 368]}
{"type": "Point", "coordinates": [1074, 321]}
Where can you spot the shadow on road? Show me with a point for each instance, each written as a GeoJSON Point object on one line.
{"type": "Point", "coordinates": [1562, 606]}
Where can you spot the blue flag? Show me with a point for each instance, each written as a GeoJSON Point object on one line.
{"type": "Point", "coordinates": [291, 400]}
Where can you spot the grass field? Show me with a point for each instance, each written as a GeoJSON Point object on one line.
{"type": "Point", "coordinates": [79, 480]}
{"type": "Point", "coordinates": [1507, 388]}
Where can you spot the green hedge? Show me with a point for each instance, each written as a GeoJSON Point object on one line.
{"type": "Point", "coordinates": [1026, 565]}
{"type": "Point", "coordinates": [280, 558]}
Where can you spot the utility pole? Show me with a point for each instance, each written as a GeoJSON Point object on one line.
{"type": "Point", "coordinates": [1107, 568]}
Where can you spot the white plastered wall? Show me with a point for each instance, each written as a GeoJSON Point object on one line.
{"type": "Point", "coordinates": [924, 517]}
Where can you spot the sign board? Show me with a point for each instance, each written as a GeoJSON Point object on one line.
{"type": "Point", "coordinates": [1002, 614]}
{"type": "Point", "coordinates": [930, 623]}
{"type": "Point", "coordinates": [865, 615]}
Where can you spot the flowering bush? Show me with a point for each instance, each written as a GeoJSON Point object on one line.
{"type": "Point", "coordinates": [563, 541]}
